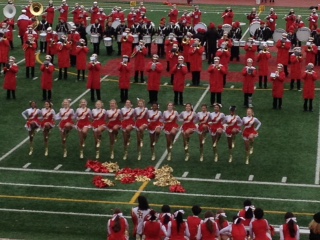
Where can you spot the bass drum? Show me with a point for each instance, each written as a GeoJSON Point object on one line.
{"type": "Point", "coordinates": [253, 27]}
{"type": "Point", "coordinates": [303, 34]}
{"type": "Point", "coordinates": [277, 35]}
{"type": "Point", "coordinates": [115, 24]}
{"type": "Point", "coordinates": [200, 25]}
{"type": "Point", "coordinates": [226, 28]}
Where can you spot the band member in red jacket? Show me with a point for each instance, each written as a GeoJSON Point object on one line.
{"type": "Point", "coordinates": [4, 50]}
{"type": "Point", "coordinates": [196, 51]}
{"type": "Point", "coordinates": [296, 64]}
{"type": "Point", "coordinates": [124, 78]}
{"type": "Point", "coordinates": [252, 15]}
{"type": "Point", "coordinates": [73, 38]}
{"type": "Point", "coordinates": [10, 80]}
{"type": "Point", "coordinates": [94, 83]}
{"type": "Point", "coordinates": [47, 70]}
{"type": "Point", "coordinates": [94, 10]}
{"type": "Point", "coordinates": [284, 46]}
{"type": "Point", "coordinates": [228, 16]}
{"type": "Point", "coordinates": [154, 68]}
{"type": "Point", "coordinates": [311, 51]}
{"type": "Point", "coordinates": [50, 13]}
{"type": "Point", "coordinates": [290, 19]}
{"type": "Point", "coordinates": [139, 53]}
{"type": "Point", "coordinates": [81, 53]}
{"type": "Point", "coordinates": [250, 50]}
{"type": "Point", "coordinates": [23, 22]}
{"type": "Point", "coordinates": [173, 59]}
{"type": "Point", "coordinates": [263, 60]}
{"type": "Point", "coordinates": [29, 48]}
{"type": "Point", "coordinates": [249, 72]}
{"type": "Point", "coordinates": [309, 76]}
{"type": "Point", "coordinates": [196, 15]}
{"type": "Point", "coordinates": [63, 47]}
{"type": "Point", "coordinates": [52, 39]}
{"type": "Point", "coordinates": [169, 45]}
{"type": "Point", "coordinates": [64, 10]}
{"type": "Point", "coordinates": [7, 30]}
{"type": "Point", "coordinates": [313, 20]}
{"type": "Point", "coordinates": [173, 14]}
{"type": "Point", "coordinates": [278, 86]}
{"type": "Point", "coordinates": [126, 43]}
{"type": "Point", "coordinates": [271, 20]}
{"type": "Point", "coordinates": [224, 54]}
{"type": "Point", "coordinates": [179, 70]}
{"type": "Point", "coordinates": [217, 71]}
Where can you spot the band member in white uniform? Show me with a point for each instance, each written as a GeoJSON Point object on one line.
{"type": "Point", "coordinates": [47, 123]}
{"type": "Point", "coordinates": [114, 124]}
{"type": "Point", "coordinates": [203, 127]}
{"type": "Point", "coordinates": [155, 126]}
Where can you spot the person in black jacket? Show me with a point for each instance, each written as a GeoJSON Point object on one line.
{"type": "Point", "coordinates": [317, 42]}
{"type": "Point", "coordinates": [212, 37]}
{"type": "Point", "coordinates": [263, 33]}
{"type": "Point", "coordinates": [235, 34]}
{"type": "Point", "coordinates": [109, 32]}
{"type": "Point", "coordinates": [42, 27]}
{"type": "Point", "coordinates": [96, 29]}
{"type": "Point", "coordinates": [314, 227]}
{"type": "Point", "coordinates": [81, 29]}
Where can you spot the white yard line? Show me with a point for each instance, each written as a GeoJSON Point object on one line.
{"type": "Point", "coordinates": [178, 134]}
{"type": "Point", "coordinates": [245, 33]}
{"type": "Point", "coordinates": [185, 174]}
{"type": "Point", "coordinates": [317, 173]}
{"type": "Point", "coordinates": [157, 192]}
{"type": "Point", "coordinates": [27, 138]}
{"type": "Point", "coordinates": [57, 167]}
{"type": "Point", "coordinates": [26, 165]}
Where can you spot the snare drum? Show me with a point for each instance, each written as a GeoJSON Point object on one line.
{"type": "Point", "coordinates": [135, 38]}
{"type": "Point", "coordinates": [107, 41]}
{"type": "Point", "coordinates": [236, 43]}
{"type": "Point", "coordinates": [94, 38]}
{"type": "Point", "coordinates": [318, 48]}
{"type": "Point", "coordinates": [147, 39]}
{"type": "Point", "coordinates": [242, 43]}
{"type": "Point", "coordinates": [159, 40]}
{"type": "Point", "coordinates": [270, 43]}
{"type": "Point", "coordinates": [256, 43]}
{"type": "Point", "coordinates": [43, 37]}
{"type": "Point", "coordinates": [60, 34]}
{"type": "Point", "coordinates": [119, 37]}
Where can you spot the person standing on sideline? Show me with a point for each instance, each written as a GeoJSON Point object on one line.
{"type": "Point", "coordinates": [278, 87]}
{"type": "Point", "coordinates": [208, 229]}
{"type": "Point", "coordinates": [94, 83]}
{"type": "Point", "coordinates": [47, 70]}
{"type": "Point", "coordinates": [154, 68]}
{"type": "Point", "coordinates": [152, 227]}
{"type": "Point", "coordinates": [10, 80]}
{"type": "Point", "coordinates": [309, 76]}
{"type": "Point", "coordinates": [259, 228]}
{"type": "Point", "coordinates": [177, 228]}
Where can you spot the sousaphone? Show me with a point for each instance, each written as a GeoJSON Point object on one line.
{"type": "Point", "coordinates": [9, 11]}
{"type": "Point", "coordinates": [36, 9]}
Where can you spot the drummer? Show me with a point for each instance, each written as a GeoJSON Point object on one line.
{"type": "Point", "coordinates": [62, 27]}
{"type": "Point", "coordinates": [235, 34]}
{"type": "Point", "coordinates": [136, 29]}
{"type": "Point", "coordinates": [271, 20]}
{"type": "Point", "coordinates": [147, 33]}
{"type": "Point", "coordinates": [263, 33]}
{"type": "Point", "coordinates": [317, 42]}
{"type": "Point", "coordinates": [119, 32]}
{"type": "Point", "coordinates": [161, 34]}
{"type": "Point", "coordinates": [42, 28]}
{"type": "Point", "coordinates": [96, 30]}
{"type": "Point", "coordinates": [109, 33]}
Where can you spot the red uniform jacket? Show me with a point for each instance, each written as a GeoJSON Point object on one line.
{"type": "Point", "coordinates": [139, 61]}
{"type": "Point", "coordinates": [295, 65]}
{"type": "Point", "coordinates": [224, 58]}
{"type": "Point", "coordinates": [154, 78]}
{"type": "Point", "coordinates": [216, 78]}
{"type": "Point", "coordinates": [251, 16]}
{"type": "Point", "coordinates": [260, 228]}
{"type": "Point", "coordinates": [131, 18]}
{"type": "Point", "coordinates": [179, 77]}
{"type": "Point", "coordinates": [124, 76]}
{"type": "Point", "coordinates": [278, 85]}
{"type": "Point", "coordinates": [175, 235]}
{"type": "Point", "coordinates": [63, 55]}
{"type": "Point", "coordinates": [283, 52]}
{"type": "Point", "coordinates": [311, 52]}
{"type": "Point", "coordinates": [50, 14]}
{"type": "Point", "coordinates": [82, 17]}
{"type": "Point", "coordinates": [290, 20]}
{"type": "Point", "coordinates": [248, 81]}
{"type": "Point", "coordinates": [186, 48]}
{"type": "Point", "coordinates": [127, 45]}
{"type": "Point", "coordinates": [102, 19]}
{"type": "Point", "coordinates": [94, 76]}
{"type": "Point", "coordinates": [309, 84]}
{"type": "Point", "coordinates": [250, 52]}
{"type": "Point", "coordinates": [173, 15]}
{"type": "Point", "coordinates": [263, 58]}
{"type": "Point", "coordinates": [28, 13]}
{"type": "Point", "coordinates": [30, 54]}
{"type": "Point", "coordinates": [173, 58]}
{"type": "Point", "coordinates": [169, 45]}
{"type": "Point", "coordinates": [4, 51]}
{"type": "Point", "coordinates": [52, 39]}
{"type": "Point", "coordinates": [313, 22]}
{"type": "Point", "coordinates": [196, 17]}
{"type": "Point", "coordinates": [82, 53]}
{"type": "Point", "coordinates": [229, 44]}
{"type": "Point", "coordinates": [193, 224]}
{"type": "Point", "coordinates": [9, 33]}
{"type": "Point", "coordinates": [205, 232]}
{"type": "Point", "coordinates": [74, 38]}
{"type": "Point", "coordinates": [196, 59]}
{"type": "Point", "coordinates": [121, 235]}
{"type": "Point", "coordinates": [153, 231]}
{"type": "Point", "coordinates": [238, 232]}
{"type": "Point", "coordinates": [94, 14]}
{"type": "Point", "coordinates": [271, 21]}
{"type": "Point", "coordinates": [64, 11]}
{"type": "Point", "coordinates": [76, 14]}
{"type": "Point", "coordinates": [47, 76]}
{"type": "Point", "coordinates": [228, 18]}
{"type": "Point", "coordinates": [10, 79]}
{"type": "Point", "coordinates": [23, 24]}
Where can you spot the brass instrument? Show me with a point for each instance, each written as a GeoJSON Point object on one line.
{"type": "Point", "coordinates": [186, 40]}
{"type": "Point", "coordinates": [36, 9]}
{"type": "Point", "coordinates": [9, 11]}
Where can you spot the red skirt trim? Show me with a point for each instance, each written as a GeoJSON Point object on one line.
{"type": "Point", "coordinates": [248, 131]}
{"type": "Point", "coordinates": [169, 126]}
{"type": "Point", "coordinates": [154, 125]}
{"type": "Point", "coordinates": [111, 125]}
{"type": "Point", "coordinates": [141, 122]}
{"type": "Point", "coordinates": [202, 127]}
{"type": "Point", "coordinates": [51, 123]}
{"type": "Point", "coordinates": [99, 123]}
{"type": "Point", "coordinates": [82, 124]}
{"type": "Point", "coordinates": [126, 123]}
{"type": "Point", "coordinates": [230, 129]}
{"type": "Point", "coordinates": [189, 125]}
{"type": "Point", "coordinates": [32, 121]}
{"type": "Point", "coordinates": [63, 123]}
{"type": "Point", "coordinates": [215, 127]}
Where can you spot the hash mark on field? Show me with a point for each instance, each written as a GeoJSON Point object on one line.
{"type": "Point", "coordinates": [58, 167]}
{"type": "Point", "coordinates": [284, 179]}
{"type": "Point", "coordinates": [250, 178]}
{"type": "Point", "coordinates": [185, 174]}
{"type": "Point", "coordinates": [26, 165]}
{"type": "Point", "coordinates": [88, 169]}
{"type": "Point", "coordinates": [217, 177]}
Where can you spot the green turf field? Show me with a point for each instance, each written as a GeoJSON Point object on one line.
{"type": "Point", "coordinates": [38, 202]}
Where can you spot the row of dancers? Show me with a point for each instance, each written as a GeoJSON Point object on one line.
{"type": "Point", "coordinates": [141, 119]}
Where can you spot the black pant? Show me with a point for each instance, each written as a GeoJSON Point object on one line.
{"type": "Point", "coordinates": [83, 73]}
{"type": "Point", "coordinates": [2, 65]}
{"type": "Point", "coordinates": [246, 99]}
{"type": "Point", "coordinates": [195, 78]}
{"type": "Point", "coordinates": [171, 79]}
{"type": "Point", "coordinates": [13, 93]}
{"type": "Point", "coordinates": [65, 73]}
{"type": "Point", "coordinates": [46, 95]}
{"type": "Point", "coordinates": [28, 72]}
{"type": "Point", "coordinates": [213, 98]}
{"type": "Point", "coordinates": [97, 93]}
{"type": "Point", "coordinates": [224, 80]}
{"type": "Point", "coordinates": [210, 55]}
{"type": "Point", "coordinates": [109, 50]}
{"type": "Point", "coordinates": [148, 46]}
{"type": "Point", "coordinates": [136, 76]}
{"type": "Point", "coordinates": [265, 81]}
{"type": "Point", "coordinates": [119, 48]}
{"type": "Point", "coordinates": [21, 38]}
{"type": "Point", "coordinates": [124, 95]}
{"type": "Point", "coordinates": [160, 51]}
{"type": "Point", "coordinates": [153, 96]}
{"type": "Point", "coordinates": [235, 53]}
{"type": "Point", "coordinates": [188, 66]}
{"type": "Point", "coordinates": [285, 67]}
{"type": "Point", "coordinates": [277, 103]}
{"type": "Point", "coordinates": [298, 84]}
{"type": "Point", "coordinates": [43, 47]}
{"type": "Point", "coordinates": [11, 44]}
{"type": "Point", "coordinates": [73, 60]}
{"type": "Point", "coordinates": [52, 58]}
{"type": "Point", "coordinates": [96, 48]}
{"type": "Point", "coordinates": [168, 66]}
{"type": "Point", "coordinates": [178, 97]}
{"type": "Point", "coordinates": [305, 105]}
{"type": "Point", "coordinates": [317, 62]}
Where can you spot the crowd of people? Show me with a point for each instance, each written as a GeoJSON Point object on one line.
{"type": "Point", "coordinates": [249, 223]}
{"type": "Point", "coordinates": [142, 119]}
